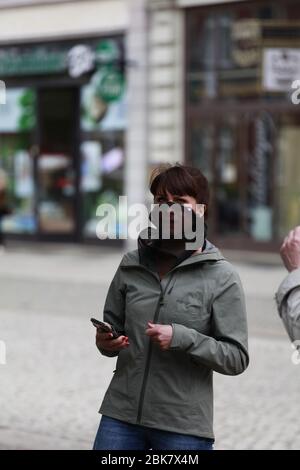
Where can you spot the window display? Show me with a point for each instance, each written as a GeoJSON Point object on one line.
{"type": "Point", "coordinates": [62, 133]}
{"type": "Point", "coordinates": [17, 123]}
{"type": "Point", "coordinates": [242, 124]}
{"type": "Point", "coordinates": [103, 126]}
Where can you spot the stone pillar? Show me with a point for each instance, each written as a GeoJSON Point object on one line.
{"type": "Point", "coordinates": [136, 139]}
{"type": "Point", "coordinates": [166, 88]}
{"type": "Point", "coordinates": [156, 114]}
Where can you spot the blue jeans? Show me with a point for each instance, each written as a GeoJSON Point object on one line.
{"type": "Point", "coordinates": [114, 434]}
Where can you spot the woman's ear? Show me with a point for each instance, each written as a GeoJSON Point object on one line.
{"type": "Point", "coordinates": [200, 209]}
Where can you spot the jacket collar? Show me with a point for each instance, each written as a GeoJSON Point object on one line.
{"type": "Point", "coordinates": [210, 253]}
{"type": "Point", "coordinates": [149, 248]}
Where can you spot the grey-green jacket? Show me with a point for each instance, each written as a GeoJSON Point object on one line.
{"type": "Point", "coordinates": [203, 299]}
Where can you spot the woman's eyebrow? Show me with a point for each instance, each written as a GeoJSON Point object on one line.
{"type": "Point", "coordinates": [180, 197]}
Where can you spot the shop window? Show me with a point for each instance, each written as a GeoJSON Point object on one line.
{"type": "Point", "coordinates": [237, 153]}
{"type": "Point", "coordinates": [288, 172]}
{"type": "Point", "coordinates": [228, 208]}
{"type": "Point", "coordinates": [17, 123]}
{"type": "Point", "coordinates": [227, 49]}
{"type": "Point", "coordinates": [103, 124]}
{"type": "Point", "coordinates": [55, 169]}
{"type": "Point", "coordinates": [260, 167]}
{"type": "Point", "coordinates": [202, 147]}
{"type": "Point", "coordinates": [242, 126]}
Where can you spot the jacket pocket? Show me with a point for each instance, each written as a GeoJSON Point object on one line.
{"type": "Point", "coordinates": [124, 378]}
{"type": "Point", "coordinates": [191, 311]}
{"type": "Point", "coordinates": [123, 360]}
{"type": "Point", "coordinates": [193, 301]}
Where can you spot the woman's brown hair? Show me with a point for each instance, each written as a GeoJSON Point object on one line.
{"type": "Point", "coordinates": [180, 180]}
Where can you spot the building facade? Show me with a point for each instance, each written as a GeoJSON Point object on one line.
{"type": "Point", "coordinates": [236, 79]}
{"type": "Point", "coordinates": [94, 104]}
{"type": "Point", "coordinates": [63, 125]}
{"type": "Point", "coordinates": [242, 116]}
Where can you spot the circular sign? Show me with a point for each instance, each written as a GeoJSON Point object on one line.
{"type": "Point", "coordinates": [80, 60]}
{"type": "Point", "coordinates": [107, 51]}
{"type": "Point", "coordinates": [111, 86]}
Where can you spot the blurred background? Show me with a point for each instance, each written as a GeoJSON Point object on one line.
{"type": "Point", "coordinates": [98, 93]}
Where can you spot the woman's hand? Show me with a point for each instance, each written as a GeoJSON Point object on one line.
{"type": "Point", "coordinates": [105, 341]}
{"type": "Point", "coordinates": [161, 334]}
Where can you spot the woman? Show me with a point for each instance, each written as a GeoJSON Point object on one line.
{"type": "Point", "coordinates": [181, 314]}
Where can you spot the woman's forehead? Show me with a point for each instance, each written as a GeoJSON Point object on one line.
{"type": "Point", "coordinates": [173, 194]}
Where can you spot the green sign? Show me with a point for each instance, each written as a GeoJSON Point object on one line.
{"type": "Point", "coordinates": [36, 61]}
{"type": "Point", "coordinates": [56, 59]}
{"type": "Point", "coordinates": [111, 85]}
{"type": "Point", "coordinates": [107, 51]}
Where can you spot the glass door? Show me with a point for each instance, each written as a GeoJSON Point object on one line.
{"type": "Point", "coordinates": [228, 176]}
{"type": "Point", "coordinates": [17, 134]}
{"type": "Point", "coordinates": [288, 172]}
{"type": "Point", "coordinates": [56, 162]}
{"type": "Point", "coordinates": [215, 148]}
{"type": "Point", "coordinates": [237, 152]}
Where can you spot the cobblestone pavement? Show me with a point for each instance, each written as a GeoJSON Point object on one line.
{"type": "Point", "coordinates": [54, 378]}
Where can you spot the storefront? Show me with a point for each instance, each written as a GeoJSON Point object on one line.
{"type": "Point", "coordinates": [62, 135]}
{"type": "Point", "coordinates": [243, 117]}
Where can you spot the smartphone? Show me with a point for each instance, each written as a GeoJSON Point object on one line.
{"type": "Point", "coordinates": [105, 327]}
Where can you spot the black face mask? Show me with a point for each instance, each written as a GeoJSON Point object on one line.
{"type": "Point", "coordinates": [150, 246]}
{"type": "Point", "coordinates": [155, 216]}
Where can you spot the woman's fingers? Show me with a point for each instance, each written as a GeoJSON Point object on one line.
{"type": "Point", "coordinates": [103, 340]}
{"type": "Point", "coordinates": [161, 334]}
{"type": "Point", "coordinates": [154, 333]}
{"type": "Point", "coordinates": [118, 341]}
{"type": "Point", "coordinates": [102, 335]}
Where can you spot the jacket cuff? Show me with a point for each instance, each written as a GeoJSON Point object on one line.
{"type": "Point", "coordinates": [181, 338]}
{"type": "Point", "coordinates": [291, 281]}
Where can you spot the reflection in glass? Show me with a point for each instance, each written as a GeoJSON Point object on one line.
{"type": "Point", "coordinates": [17, 122]}
{"type": "Point", "coordinates": [227, 188]}
{"type": "Point", "coordinates": [260, 177]}
{"type": "Point", "coordinates": [103, 124]}
{"type": "Point", "coordinates": [202, 143]}
{"type": "Point", "coordinates": [101, 178]}
{"type": "Point", "coordinates": [56, 188]}
{"type": "Point", "coordinates": [288, 176]}
{"type": "Point", "coordinates": [55, 163]}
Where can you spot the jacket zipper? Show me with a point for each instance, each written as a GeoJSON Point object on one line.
{"type": "Point", "coordinates": [149, 352]}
